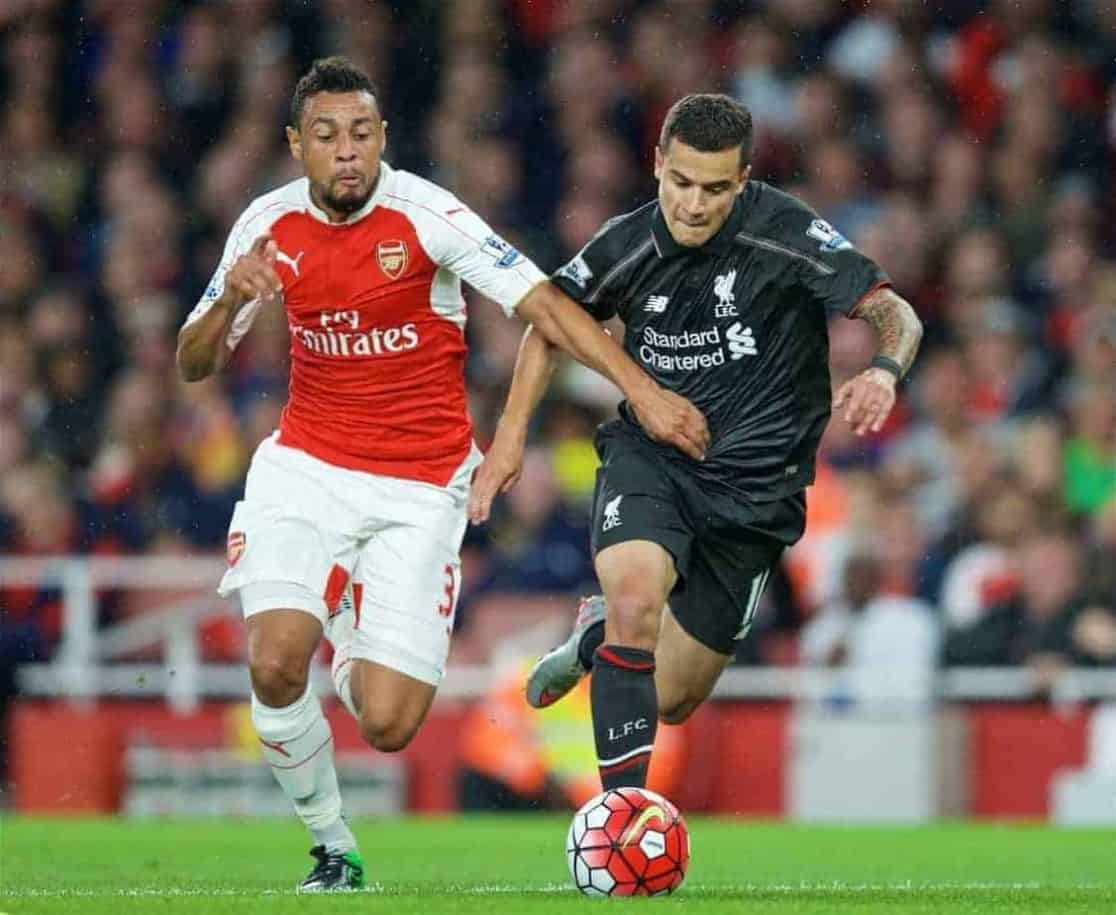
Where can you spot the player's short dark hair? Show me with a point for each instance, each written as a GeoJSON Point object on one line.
{"type": "Point", "coordinates": [329, 74]}
{"type": "Point", "coordinates": [709, 122]}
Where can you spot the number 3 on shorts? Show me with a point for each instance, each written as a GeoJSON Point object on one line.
{"type": "Point", "coordinates": [754, 595]}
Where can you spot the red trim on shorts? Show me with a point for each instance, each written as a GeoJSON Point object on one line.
{"type": "Point", "coordinates": [335, 587]}
{"type": "Point", "coordinates": [616, 661]}
{"type": "Point", "coordinates": [358, 596]}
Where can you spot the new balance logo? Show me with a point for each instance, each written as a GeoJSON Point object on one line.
{"type": "Point", "coordinates": [741, 343]}
{"type": "Point", "coordinates": [612, 514]}
{"type": "Point", "coordinates": [657, 303]}
{"type": "Point", "coordinates": [289, 261]}
{"type": "Point", "coordinates": [726, 296]}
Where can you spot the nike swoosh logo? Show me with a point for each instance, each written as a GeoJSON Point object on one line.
{"type": "Point", "coordinates": [648, 813]}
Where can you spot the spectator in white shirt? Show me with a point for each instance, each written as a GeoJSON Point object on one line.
{"type": "Point", "coordinates": [884, 645]}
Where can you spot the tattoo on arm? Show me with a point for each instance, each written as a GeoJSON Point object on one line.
{"type": "Point", "coordinates": [897, 326]}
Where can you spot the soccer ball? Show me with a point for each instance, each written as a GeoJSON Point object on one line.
{"type": "Point", "coordinates": [628, 842]}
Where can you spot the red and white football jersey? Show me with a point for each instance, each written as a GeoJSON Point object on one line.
{"type": "Point", "coordinates": [377, 321]}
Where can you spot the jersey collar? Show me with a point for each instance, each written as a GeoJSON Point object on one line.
{"type": "Point", "coordinates": [666, 246]}
{"type": "Point", "coordinates": [382, 182]}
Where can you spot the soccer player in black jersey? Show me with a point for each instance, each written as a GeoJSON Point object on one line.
{"type": "Point", "coordinates": [724, 285]}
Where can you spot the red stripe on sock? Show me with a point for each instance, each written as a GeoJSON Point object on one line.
{"type": "Point", "coordinates": [279, 745]}
{"type": "Point", "coordinates": [614, 659]}
{"type": "Point", "coordinates": [626, 764]}
{"type": "Point", "coordinates": [308, 758]}
{"type": "Point", "coordinates": [276, 745]}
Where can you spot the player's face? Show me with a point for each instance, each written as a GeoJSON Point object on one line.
{"type": "Point", "coordinates": [697, 189]}
{"type": "Point", "coordinates": [339, 143]}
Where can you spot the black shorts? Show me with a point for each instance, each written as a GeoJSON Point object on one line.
{"type": "Point", "coordinates": [723, 563]}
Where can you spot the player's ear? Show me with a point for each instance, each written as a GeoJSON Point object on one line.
{"type": "Point", "coordinates": [658, 161]}
{"type": "Point", "coordinates": [383, 133]}
{"type": "Point", "coordinates": [294, 141]}
{"type": "Point", "coordinates": [745, 174]}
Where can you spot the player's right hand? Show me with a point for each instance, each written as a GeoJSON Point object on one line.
{"type": "Point", "coordinates": [671, 419]}
{"type": "Point", "coordinates": [498, 473]}
{"type": "Point", "coordinates": [253, 275]}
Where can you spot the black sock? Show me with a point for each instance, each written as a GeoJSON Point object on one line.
{"type": "Point", "coordinates": [591, 640]}
{"type": "Point", "coordinates": [625, 714]}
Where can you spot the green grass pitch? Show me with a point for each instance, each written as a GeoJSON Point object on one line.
{"type": "Point", "coordinates": [495, 865]}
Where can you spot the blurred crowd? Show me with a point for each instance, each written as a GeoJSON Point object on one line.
{"type": "Point", "coordinates": [969, 147]}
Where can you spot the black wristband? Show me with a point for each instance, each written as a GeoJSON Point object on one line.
{"type": "Point", "coordinates": [888, 365]}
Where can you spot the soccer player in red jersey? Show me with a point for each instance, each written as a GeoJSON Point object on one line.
{"type": "Point", "coordinates": [354, 510]}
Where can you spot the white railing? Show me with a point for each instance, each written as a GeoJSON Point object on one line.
{"type": "Point", "coordinates": [81, 668]}
{"type": "Point", "coordinates": [86, 665]}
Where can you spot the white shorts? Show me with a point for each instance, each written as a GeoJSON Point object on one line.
{"type": "Point", "coordinates": [306, 529]}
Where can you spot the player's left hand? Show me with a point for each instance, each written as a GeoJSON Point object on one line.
{"type": "Point", "coordinates": [867, 399]}
{"type": "Point", "coordinates": [671, 419]}
{"type": "Point", "coordinates": [499, 472]}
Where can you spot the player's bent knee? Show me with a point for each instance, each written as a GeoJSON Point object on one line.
{"type": "Point", "coordinates": [277, 681]}
{"type": "Point", "coordinates": [676, 706]}
{"type": "Point", "coordinates": [677, 712]}
{"type": "Point", "coordinates": [385, 732]}
{"type": "Point", "coordinates": [386, 740]}
{"type": "Point", "coordinates": [633, 619]}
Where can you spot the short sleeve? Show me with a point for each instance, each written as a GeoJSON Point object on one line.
{"type": "Point", "coordinates": [587, 277]}
{"type": "Point", "coordinates": [243, 233]}
{"type": "Point", "coordinates": [464, 244]}
{"type": "Point", "coordinates": [836, 274]}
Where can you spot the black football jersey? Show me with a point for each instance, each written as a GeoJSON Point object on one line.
{"type": "Point", "coordinates": [737, 326]}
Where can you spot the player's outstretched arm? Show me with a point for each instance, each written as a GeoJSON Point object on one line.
{"type": "Point", "coordinates": [501, 467]}
{"type": "Point", "coordinates": [868, 398]}
{"type": "Point", "coordinates": [664, 415]}
{"type": "Point", "coordinates": [202, 348]}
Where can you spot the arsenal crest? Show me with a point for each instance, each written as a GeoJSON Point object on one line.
{"type": "Point", "coordinates": [392, 256]}
{"type": "Point", "coordinates": [235, 546]}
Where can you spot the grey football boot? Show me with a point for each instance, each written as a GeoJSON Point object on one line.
{"type": "Point", "coordinates": [559, 670]}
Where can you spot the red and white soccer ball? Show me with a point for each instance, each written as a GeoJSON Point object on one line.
{"type": "Point", "coordinates": [628, 842]}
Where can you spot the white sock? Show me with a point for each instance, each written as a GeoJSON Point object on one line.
{"type": "Point", "coordinates": [337, 838]}
{"type": "Point", "coordinates": [342, 673]}
{"type": "Point", "coordinates": [298, 745]}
